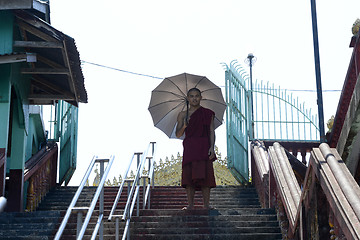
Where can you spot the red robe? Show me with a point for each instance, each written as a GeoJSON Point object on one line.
{"type": "Point", "coordinates": [197, 167]}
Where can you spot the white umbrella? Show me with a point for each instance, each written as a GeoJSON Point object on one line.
{"type": "Point", "coordinates": [169, 98]}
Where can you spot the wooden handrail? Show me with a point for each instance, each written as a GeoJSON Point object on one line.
{"type": "Point", "coordinates": [328, 182]}
{"type": "Point", "coordinates": [39, 159]}
{"type": "Point", "coordinates": [287, 185]}
{"type": "Point", "coordinates": [332, 186]}
{"type": "Point", "coordinates": [260, 172]}
{"type": "Point", "coordinates": [40, 171]}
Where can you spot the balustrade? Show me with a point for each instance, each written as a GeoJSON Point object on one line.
{"type": "Point", "coordinates": [40, 173]}
{"type": "Point", "coordinates": [328, 205]}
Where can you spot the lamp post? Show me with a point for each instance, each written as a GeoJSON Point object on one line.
{"type": "Point", "coordinates": [250, 60]}
{"type": "Point", "coordinates": [317, 71]}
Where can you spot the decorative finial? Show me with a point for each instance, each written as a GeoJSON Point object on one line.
{"type": "Point", "coordinates": [355, 27]}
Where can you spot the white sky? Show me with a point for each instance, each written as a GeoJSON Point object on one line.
{"type": "Point", "coordinates": [165, 38]}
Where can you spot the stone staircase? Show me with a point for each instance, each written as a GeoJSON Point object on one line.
{"type": "Point", "coordinates": [238, 215]}
{"type": "Point", "coordinates": [37, 225]}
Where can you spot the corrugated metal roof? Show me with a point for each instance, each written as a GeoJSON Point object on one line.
{"type": "Point", "coordinates": [57, 73]}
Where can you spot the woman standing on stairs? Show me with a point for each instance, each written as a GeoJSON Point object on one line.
{"type": "Point", "coordinates": [197, 123]}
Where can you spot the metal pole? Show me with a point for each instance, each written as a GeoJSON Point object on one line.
{"type": "Point", "coordinates": [101, 207]}
{"type": "Point", "coordinates": [250, 59]}
{"type": "Point", "coordinates": [117, 229]}
{"type": "Point", "coordinates": [152, 148]}
{"type": "Point", "coordinates": [78, 223]}
{"type": "Point", "coordinates": [317, 71]}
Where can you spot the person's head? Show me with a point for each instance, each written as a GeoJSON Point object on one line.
{"type": "Point", "coordinates": [194, 97]}
{"type": "Point", "coordinates": [194, 90]}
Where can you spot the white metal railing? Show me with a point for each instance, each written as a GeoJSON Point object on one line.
{"type": "Point", "coordinates": [2, 203]}
{"type": "Point", "coordinates": [134, 192]}
{"type": "Point", "coordinates": [81, 227]}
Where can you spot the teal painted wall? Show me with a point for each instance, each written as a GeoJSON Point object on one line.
{"type": "Point", "coordinates": [27, 131]}
{"type": "Point", "coordinates": [35, 136]}
{"type": "Point", "coordinates": [4, 103]}
{"type": "Point", "coordinates": [18, 140]}
{"type": "Point", "coordinates": [25, 139]}
{"type": "Point", "coordinates": [6, 31]}
{"type": "Point", "coordinates": [6, 40]}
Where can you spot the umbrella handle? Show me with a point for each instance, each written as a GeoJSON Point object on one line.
{"type": "Point", "coordinates": [187, 111]}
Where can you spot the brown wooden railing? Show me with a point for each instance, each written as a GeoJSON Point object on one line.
{"type": "Point", "coordinates": [40, 172]}
{"type": "Point", "coordinates": [260, 171]}
{"type": "Point", "coordinates": [2, 171]}
{"type": "Point", "coordinates": [325, 205]}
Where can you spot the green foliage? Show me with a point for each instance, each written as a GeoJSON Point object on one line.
{"type": "Point", "coordinates": [168, 172]}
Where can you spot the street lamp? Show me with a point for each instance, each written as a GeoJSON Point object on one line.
{"type": "Point", "coordinates": [250, 60]}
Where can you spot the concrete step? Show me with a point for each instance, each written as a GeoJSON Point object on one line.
{"type": "Point", "coordinates": [244, 236]}
{"type": "Point", "coordinates": [238, 215]}
{"type": "Point", "coordinates": [34, 225]}
{"type": "Point", "coordinates": [216, 212]}
{"type": "Point", "coordinates": [207, 230]}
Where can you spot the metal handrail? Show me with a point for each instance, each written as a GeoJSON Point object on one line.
{"type": "Point", "coordinates": [127, 212]}
{"type": "Point", "coordinates": [74, 200]}
{"type": "Point", "coordinates": [133, 193]}
{"type": "Point", "coordinates": [118, 195]}
{"type": "Point", "coordinates": [127, 224]}
{"type": "Point", "coordinates": [150, 178]}
{"type": "Point", "coordinates": [99, 190]}
{"type": "Point", "coordinates": [78, 192]}
{"type": "Point", "coordinates": [2, 203]}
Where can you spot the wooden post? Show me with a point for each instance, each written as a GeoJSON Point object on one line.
{"type": "Point", "coordinates": [15, 193]}
{"type": "Point", "coordinates": [272, 189]}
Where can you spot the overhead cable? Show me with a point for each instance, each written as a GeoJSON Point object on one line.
{"type": "Point", "coordinates": [120, 70]}
{"type": "Point", "coordinates": [146, 75]}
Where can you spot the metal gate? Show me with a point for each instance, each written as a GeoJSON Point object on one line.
{"type": "Point", "coordinates": [238, 121]}
{"type": "Point", "coordinates": [261, 112]}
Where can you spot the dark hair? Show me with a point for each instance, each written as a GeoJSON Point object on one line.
{"type": "Point", "coordinates": [194, 89]}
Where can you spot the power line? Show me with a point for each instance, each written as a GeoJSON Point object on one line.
{"type": "Point", "coordinates": [120, 70]}
{"type": "Point", "coordinates": [146, 75]}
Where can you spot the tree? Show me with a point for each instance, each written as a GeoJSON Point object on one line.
{"type": "Point", "coordinates": [168, 172]}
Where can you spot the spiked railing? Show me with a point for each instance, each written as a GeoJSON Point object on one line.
{"type": "Point", "coordinates": [278, 115]}
{"type": "Point", "coordinates": [261, 112]}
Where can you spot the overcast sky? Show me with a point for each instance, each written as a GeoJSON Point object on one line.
{"type": "Point", "coordinates": [166, 38]}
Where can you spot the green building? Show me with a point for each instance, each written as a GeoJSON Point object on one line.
{"type": "Point", "coordinates": [39, 66]}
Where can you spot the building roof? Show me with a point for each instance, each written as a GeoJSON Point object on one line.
{"type": "Point", "coordinates": [40, 8]}
{"type": "Point", "coordinates": [56, 73]}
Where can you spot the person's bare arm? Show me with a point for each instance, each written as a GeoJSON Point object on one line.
{"type": "Point", "coordinates": [181, 125]}
{"type": "Point", "coordinates": [212, 139]}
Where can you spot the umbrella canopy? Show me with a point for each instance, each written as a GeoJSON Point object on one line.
{"type": "Point", "coordinates": [168, 99]}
